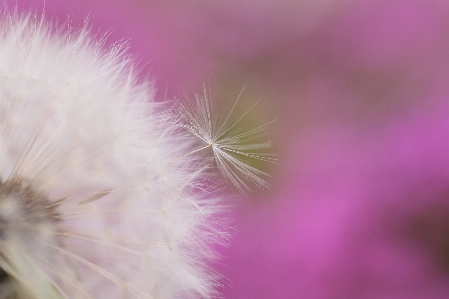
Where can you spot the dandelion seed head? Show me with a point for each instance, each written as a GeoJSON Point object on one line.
{"type": "Point", "coordinates": [98, 197]}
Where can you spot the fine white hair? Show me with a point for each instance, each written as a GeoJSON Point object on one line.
{"type": "Point", "coordinates": [95, 200]}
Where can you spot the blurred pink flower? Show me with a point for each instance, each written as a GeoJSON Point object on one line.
{"type": "Point", "coordinates": [362, 208]}
{"type": "Point", "coordinates": [359, 207]}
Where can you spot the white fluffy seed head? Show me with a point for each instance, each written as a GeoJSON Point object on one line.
{"type": "Point", "coordinates": [95, 202]}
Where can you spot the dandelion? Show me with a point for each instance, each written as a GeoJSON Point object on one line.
{"type": "Point", "coordinates": [230, 145]}
{"type": "Point", "coordinates": [101, 193]}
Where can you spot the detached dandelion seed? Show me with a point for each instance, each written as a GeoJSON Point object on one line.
{"type": "Point", "coordinates": [228, 144]}
{"type": "Point", "coordinates": [98, 186]}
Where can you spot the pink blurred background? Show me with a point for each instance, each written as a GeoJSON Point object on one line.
{"type": "Point", "coordinates": [360, 201]}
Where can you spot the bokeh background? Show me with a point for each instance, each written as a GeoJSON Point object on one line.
{"type": "Point", "coordinates": [359, 206]}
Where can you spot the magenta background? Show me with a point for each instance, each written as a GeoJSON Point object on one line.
{"type": "Point", "coordinates": [360, 201]}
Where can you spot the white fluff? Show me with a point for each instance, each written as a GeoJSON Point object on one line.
{"type": "Point", "coordinates": [80, 130]}
{"type": "Point", "coordinates": [232, 148]}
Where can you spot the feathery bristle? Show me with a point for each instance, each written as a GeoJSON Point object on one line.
{"type": "Point", "coordinates": [233, 150]}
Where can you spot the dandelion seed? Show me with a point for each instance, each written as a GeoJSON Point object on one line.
{"type": "Point", "coordinates": [98, 198]}
{"type": "Point", "coordinates": [229, 146]}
